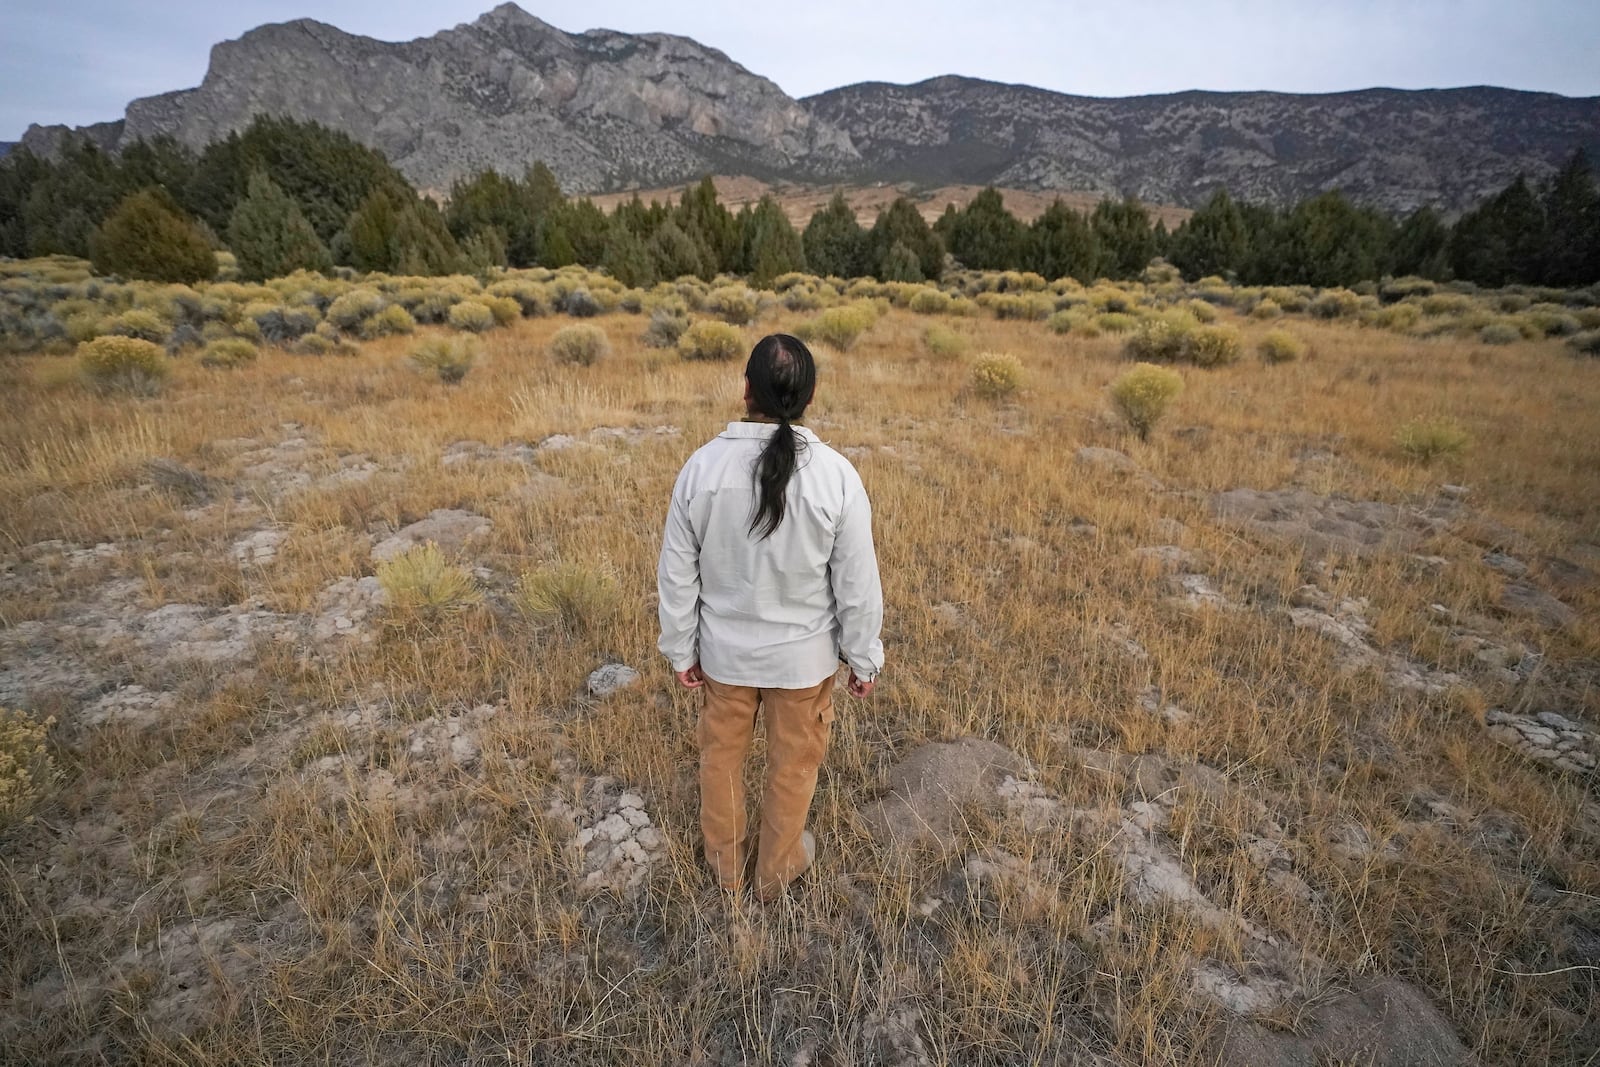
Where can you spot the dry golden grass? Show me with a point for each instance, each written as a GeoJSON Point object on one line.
{"type": "Point", "coordinates": [438, 920]}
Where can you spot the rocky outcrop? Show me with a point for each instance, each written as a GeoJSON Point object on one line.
{"type": "Point", "coordinates": [608, 110]}
{"type": "Point", "coordinates": [601, 108]}
{"type": "Point", "coordinates": [1393, 148]}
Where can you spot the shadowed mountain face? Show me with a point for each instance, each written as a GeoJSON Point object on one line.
{"type": "Point", "coordinates": [610, 110]}
{"type": "Point", "coordinates": [1392, 148]}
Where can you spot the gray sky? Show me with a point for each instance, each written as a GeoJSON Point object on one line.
{"type": "Point", "coordinates": [81, 61]}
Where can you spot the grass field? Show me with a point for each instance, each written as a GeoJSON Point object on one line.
{"type": "Point", "coordinates": [277, 837]}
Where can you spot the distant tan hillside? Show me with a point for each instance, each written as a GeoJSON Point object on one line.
{"type": "Point", "coordinates": [800, 202]}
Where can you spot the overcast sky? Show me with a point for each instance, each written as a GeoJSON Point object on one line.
{"type": "Point", "coordinates": [81, 61]}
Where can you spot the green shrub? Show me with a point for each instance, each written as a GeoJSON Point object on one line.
{"type": "Point", "coordinates": [1425, 440]}
{"type": "Point", "coordinates": [1290, 300]}
{"type": "Point", "coordinates": [532, 297]}
{"type": "Point", "coordinates": [1587, 342]}
{"type": "Point", "coordinates": [1500, 333]}
{"type": "Point", "coordinates": [1446, 304]}
{"type": "Point", "coordinates": [1161, 339]}
{"type": "Point", "coordinates": [1061, 322]}
{"type": "Point", "coordinates": [142, 323]}
{"type": "Point", "coordinates": [421, 582]}
{"type": "Point", "coordinates": [711, 340]}
{"type": "Point", "coordinates": [1116, 322]}
{"type": "Point", "coordinates": [1401, 318]}
{"type": "Point", "coordinates": [228, 352]}
{"type": "Point", "coordinates": [1203, 311]}
{"type": "Point", "coordinates": [504, 309]}
{"type": "Point", "coordinates": [996, 375]}
{"type": "Point", "coordinates": [576, 599]}
{"type": "Point", "coordinates": [84, 326]}
{"type": "Point", "coordinates": [27, 770]}
{"type": "Point", "coordinates": [472, 316]}
{"type": "Point", "coordinates": [1511, 303]}
{"type": "Point", "coordinates": [389, 322]}
{"type": "Point", "coordinates": [802, 298]}
{"type": "Point", "coordinates": [1397, 289]}
{"type": "Point", "coordinates": [313, 344]}
{"type": "Point", "coordinates": [123, 364]}
{"type": "Point", "coordinates": [1266, 309]}
{"type": "Point", "coordinates": [1335, 304]}
{"type": "Point", "coordinates": [1281, 346]}
{"type": "Point", "coordinates": [733, 304]}
{"type": "Point", "coordinates": [1143, 394]}
{"type": "Point", "coordinates": [350, 309]}
{"type": "Point", "coordinates": [279, 324]}
{"type": "Point", "coordinates": [943, 342]}
{"type": "Point", "coordinates": [929, 301]}
{"type": "Point", "coordinates": [1212, 346]}
{"type": "Point", "coordinates": [666, 325]}
{"type": "Point", "coordinates": [582, 345]}
{"type": "Point", "coordinates": [840, 327]}
{"type": "Point", "coordinates": [1551, 322]}
{"type": "Point", "coordinates": [580, 303]}
{"type": "Point", "coordinates": [448, 357]}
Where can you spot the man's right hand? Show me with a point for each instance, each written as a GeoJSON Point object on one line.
{"type": "Point", "coordinates": [857, 688]}
{"type": "Point", "coordinates": [692, 678]}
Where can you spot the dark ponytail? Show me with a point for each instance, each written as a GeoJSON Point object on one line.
{"type": "Point", "coordinates": [782, 377]}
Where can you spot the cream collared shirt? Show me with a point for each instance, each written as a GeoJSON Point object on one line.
{"type": "Point", "coordinates": [777, 613]}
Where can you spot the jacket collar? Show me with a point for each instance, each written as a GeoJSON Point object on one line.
{"type": "Point", "coordinates": [761, 430]}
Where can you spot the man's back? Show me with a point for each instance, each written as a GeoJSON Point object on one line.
{"type": "Point", "coordinates": [773, 611]}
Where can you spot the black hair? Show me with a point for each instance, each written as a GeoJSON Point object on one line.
{"type": "Point", "coordinates": [782, 376]}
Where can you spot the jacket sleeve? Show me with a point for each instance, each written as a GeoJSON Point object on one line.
{"type": "Point", "coordinates": [857, 593]}
{"type": "Point", "coordinates": [678, 584]}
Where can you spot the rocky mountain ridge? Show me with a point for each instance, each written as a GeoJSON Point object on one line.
{"type": "Point", "coordinates": [1396, 149]}
{"type": "Point", "coordinates": [608, 110]}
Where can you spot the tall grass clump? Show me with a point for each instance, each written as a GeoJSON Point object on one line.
{"type": "Point", "coordinates": [448, 357]}
{"type": "Point", "coordinates": [996, 375]}
{"type": "Point", "coordinates": [941, 342]}
{"type": "Point", "coordinates": [26, 768]}
{"type": "Point", "coordinates": [123, 365]}
{"type": "Point", "coordinates": [710, 340]}
{"type": "Point", "coordinates": [572, 598]}
{"type": "Point", "coordinates": [1426, 440]}
{"type": "Point", "coordinates": [581, 345]}
{"type": "Point", "coordinates": [1281, 346]}
{"type": "Point", "coordinates": [1143, 394]}
{"type": "Point", "coordinates": [422, 583]}
{"type": "Point", "coordinates": [1586, 343]}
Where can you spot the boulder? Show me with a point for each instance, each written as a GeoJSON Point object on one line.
{"type": "Point", "coordinates": [1385, 1023]}
{"type": "Point", "coordinates": [930, 787]}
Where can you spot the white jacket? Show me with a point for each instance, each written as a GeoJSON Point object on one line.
{"type": "Point", "coordinates": [777, 613]}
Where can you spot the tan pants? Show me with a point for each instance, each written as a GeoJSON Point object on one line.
{"type": "Point", "coordinates": [798, 722]}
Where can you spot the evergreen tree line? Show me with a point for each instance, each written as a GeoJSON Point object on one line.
{"type": "Point", "coordinates": [285, 195]}
{"type": "Point", "coordinates": [1546, 235]}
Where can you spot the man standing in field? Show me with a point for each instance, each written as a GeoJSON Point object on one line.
{"type": "Point", "coordinates": [767, 580]}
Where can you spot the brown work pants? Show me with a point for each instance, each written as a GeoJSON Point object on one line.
{"type": "Point", "coordinates": [798, 722]}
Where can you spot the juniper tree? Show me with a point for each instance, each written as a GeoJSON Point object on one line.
{"type": "Point", "coordinates": [269, 235]}
{"type": "Point", "coordinates": [148, 236]}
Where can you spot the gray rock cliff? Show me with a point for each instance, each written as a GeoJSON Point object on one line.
{"type": "Point", "coordinates": [608, 110]}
